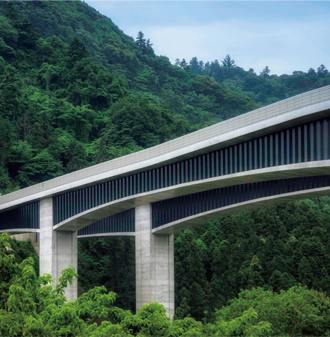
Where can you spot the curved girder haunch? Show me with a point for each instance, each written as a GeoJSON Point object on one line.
{"type": "Point", "coordinates": [119, 224]}
{"type": "Point", "coordinates": [98, 213]}
{"type": "Point", "coordinates": [301, 144]}
{"type": "Point", "coordinates": [174, 215]}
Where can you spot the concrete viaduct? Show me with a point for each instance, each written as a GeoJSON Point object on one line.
{"type": "Point", "coordinates": [277, 153]}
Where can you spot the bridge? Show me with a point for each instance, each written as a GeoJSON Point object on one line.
{"type": "Point", "coordinates": [273, 154]}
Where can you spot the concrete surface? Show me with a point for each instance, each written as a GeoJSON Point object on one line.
{"type": "Point", "coordinates": [58, 249]}
{"type": "Point", "coordinates": [154, 263]}
{"type": "Point", "coordinates": [106, 234]}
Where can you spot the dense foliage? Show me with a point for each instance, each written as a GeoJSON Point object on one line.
{"type": "Point", "coordinates": [108, 262]}
{"type": "Point", "coordinates": [23, 250]}
{"type": "Point", "coordinates": [80, 92]}
{"type": "Point", "coordinates": [31, 306]}
{"type": "Point", "coordinates": [263, 88]}
{"type": "Point", "coordinates": [274, 248]}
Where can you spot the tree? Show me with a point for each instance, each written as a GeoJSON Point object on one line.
{"type": "Point", "coordinates": [40, 168]}
{"type": "Point", "coordinates": [7, 267]}
{"type": "Point", "coordinates": [191, 280]}
{"type": "Point", "coordinates": [295, 312]}
{"type": "Point", "coordinates": [228, 62]}
{"type": "Point", "coordinates": [150, 320]}
{"type": "Point", "coordinates": [183, 64]}
{"type": "Point", "coordinates": [305, 272]}
{"type": "Point", "coordinates": [311, 72]}
{"type": "Point", "coordinates": [75, 157]}
{"type": "Point", "coordinates": [27, 35]}
{"type": "Point", "coordinates": [6, 50]}
{"type": "Point", "coordinates": [12, 13]}
{"type": "Point", "coordinates": [244, 324]}
{"type": "Point", "coordinates": [30, 305]}
{"type": "Point", "coordinates": [144, 45]}
{"type": "Point", "coordinates": [149, 49]}
{"type": "Point", "coordinates": [194, 66]}
{"type": "Point", "coordinates": [265, 72]}
{"type": "Point", "coordinates": [216, 71]}
{"type": "Point", "coordinates": [140, 41]}
{"type": "Point", "coordinates": [47, 73]}
{"type": "Point", "coordinates": [110, 262]}
{"type": "Point", "coordinates": [8, 32]}
{"type": "Point", "coordinates": [77, 51]}
{"type": "Point", "coordinates": [136, 122]}
{"type": "Point", "coordinates": [251, 273]}
{"type": "Point", "coordinates": [322, 71]}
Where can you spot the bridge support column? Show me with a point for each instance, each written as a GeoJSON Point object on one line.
{"type": "Point", "coordinates": [154, 263]}
{"type": "Point", "coordinates": [58, 249]}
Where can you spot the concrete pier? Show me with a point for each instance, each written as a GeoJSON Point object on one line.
{"type": "Point", "coordinates": [154, 262]}
{"type": "Point", "coordinates": [58, 249]}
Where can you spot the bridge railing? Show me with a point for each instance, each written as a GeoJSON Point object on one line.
{"type": "Point", "coordinates": [281, 107]}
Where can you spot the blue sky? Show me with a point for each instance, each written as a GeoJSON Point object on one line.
{"type": "Point", "coordinates": [285, 36]}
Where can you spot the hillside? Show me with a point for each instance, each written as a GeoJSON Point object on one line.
{"type": "Point", "coordinates": [77, 91]}
{"type": "Point", "coordinates": [263, 88]}
{"type": "Point", "coordinates": [69, 103]}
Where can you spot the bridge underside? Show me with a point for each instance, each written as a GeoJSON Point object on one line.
{"type": "Point", "coordinates": [299, 145]}
{"type": "Point", "coordinates": [153, 226]}
{"type": "Point", "coordinates": [172, 215]}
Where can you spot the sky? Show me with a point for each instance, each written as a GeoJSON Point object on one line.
{"type": "Point", "coordinates": [284, 35]}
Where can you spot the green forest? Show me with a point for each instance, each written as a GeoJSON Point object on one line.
{"type": "Point", "coordinates": [76, 91]}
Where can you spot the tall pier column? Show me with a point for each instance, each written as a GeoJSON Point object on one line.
{"type": "Point", "coordinates": [58, 249]}
{"type": "Point", "coordinates": [154, 261]}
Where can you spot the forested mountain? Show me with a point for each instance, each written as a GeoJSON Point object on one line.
{"type": "Point", "coordinates": [76, 91]}
{"type": "Point", "coordinates": [263, 88]}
